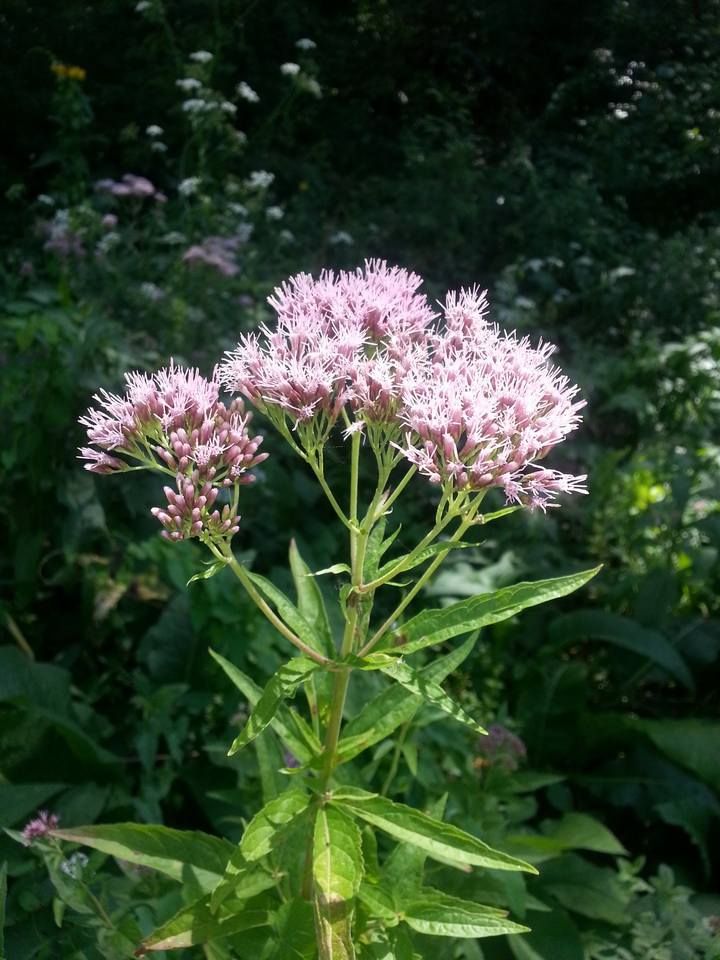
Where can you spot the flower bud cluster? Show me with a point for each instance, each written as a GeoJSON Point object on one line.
{"type": "Point", "coordinates": [174, 422]}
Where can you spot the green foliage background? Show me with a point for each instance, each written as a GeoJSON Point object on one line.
{"type": "Point", "coordinates": [565, 156]}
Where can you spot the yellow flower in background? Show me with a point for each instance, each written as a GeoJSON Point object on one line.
{"type": "Point", "coordinates": [63, 70]}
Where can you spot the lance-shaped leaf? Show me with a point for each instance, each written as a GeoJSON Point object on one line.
{"type": "Point", "coordinates": [282, 685]}
{"type": "Point", "coordinates": [441, 915]}
{"type": "Point", "coordinates": [337, 872]}
{"type": "Point", "coordinates": [624, 633]}
{"type": "Point", "coordinates": [267, 827]}
{"type": "Point", "coordinates": [394, 706]}
{"type": "Point", "coordinates": [289, 613]}
{"type": "Point", "coordinates": [401, 564]}
{"type": "Point", "coordinates": [198, 924]}
{"type": "Point", "coordinates": [375, 548]}
{"type": "Point", "coordinates": [181, 854]}
{"type": "Point", "coordinates": [310, 600]}
{"type": "Point", "coordinates": [401, 876]}
{"type": "Point", "coordinates": [298, 738]}
{"type": "Point", "coordinates": [241, 881]}
{"type": "Point", "coordinates": [434, 626]}
{"type": "Point", "coordinates": [441, 841]}
{"type": "Point", "coordinates": [430, 691]}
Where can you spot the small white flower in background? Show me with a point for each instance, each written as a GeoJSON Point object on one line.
{"type": "Point", "coordinates": [260, 179]}
{"type": "Point", "coordinates": [188, 84]}
{"type": "Point", "coordinates": [500, 200]}
{"type": "Point", "coordinates": [152, 292]}
{"type": "Point", "coordinates": [201, 56]}
{"type": "Point", "coordinates": [154, 130]}
{"type": "Point", "coordinates": [173, 237]}
{"type": "Point", "coordinates": [158, 146]}
{"type": "Point", "coordinates": [194, 105]}
{"type": "Point", "coordinates": [244, 232]}
{"type": "Point", "coordinates": [240, 136]}
{"type": "Point", "coordinates": [143, 5]}
{"type": "Point", "coordinates": [228, 107]}
{"type": "Point", "coordinates": [245, 91]}
{"type": "Point", "coordinates": [312, 86]}
{"type": "Point", "coordinates": [287, 236]}
{"type": "Point", "coordinates": [305, 44]}
{"type": "Point", "coordinates": [108, 241]}
{"type": "Point", "coordinates": [189, 186]}
{"type": "Point", "coordinates": [75, 864]}
{"type": "Point", "coordinates": [342, 236]}
{"type": "Point", "coordinates": [48, 201]}
{"type": "Point", "coordinates": [290, 69]}
{"type": "Point", "coordinates": [402, 97]}
{"type": "Point", "coordinates": [238, 209]}
{"type": "Point", "coordinates": [274, 213]}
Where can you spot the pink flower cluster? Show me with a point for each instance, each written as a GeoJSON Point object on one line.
{"type": "Point", "coordinates": [175, 422]}
{"type": "Point", "coordinates": [40, 827]}
{"type": "Point", "coordinates": [130, 186]}
{"type": "Point", "coordinates": [216, 252]}
{"type": "Point", "coordinates": [469, 406]}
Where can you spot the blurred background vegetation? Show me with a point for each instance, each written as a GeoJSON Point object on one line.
{"type": "Point", "coordinates": [564, 155]}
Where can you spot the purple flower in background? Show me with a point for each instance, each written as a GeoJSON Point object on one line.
{"type": "Point", "coordinates": [216, 252]}
{"type": "Point", "coordinates": [500, 748]}
{"type": "Point", "coordinates": [42, 825]}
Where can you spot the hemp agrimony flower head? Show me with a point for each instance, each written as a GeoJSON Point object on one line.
{"type": "Point", "coordinates": [174, 422]}
{"type": "Point", "coordinates": [470, 407]}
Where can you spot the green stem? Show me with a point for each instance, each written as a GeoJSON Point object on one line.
{"type": "Point", "coordinates": [226, 556]}
{"type": "Point", "coordinates": [395, 759]}
{"type": "Point", "coordinates": [468, 520]}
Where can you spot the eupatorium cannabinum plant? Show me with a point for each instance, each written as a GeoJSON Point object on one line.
{"type": "Point", "coordinates": [448, 396]}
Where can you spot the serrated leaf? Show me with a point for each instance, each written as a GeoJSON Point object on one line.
{"type": "Point", "coordinates": [197, 924]}
{"type": "Point", "coordinates": [434, 626]}
{"type": "Point", "coordinates": [442, 841]}
{"type": "Point", "coordinates": [488, 517]}
{"type": "Point", "coordinates": [375, 549]}
{"type": "Point", "coordinates": [295, 931]}
{"type": "Point", "coordinates": [295, 737]}
{"type": "Point", "coordinates": [289, 613]}
{"type": "Point", "coordinates": [441, 915]}
{"type": "Point", "coordinates": [266, 827]}
{"type": "Point", "coordinates": [625, 633]}
{"type": "Point", "coordinates": [337, 854]}
{"type": "Point", "coordinates": [181, 854]}
{"type": "Point", "coordinates": [395, 706]}
{"type": "Point", "coordinates": [431, 692]}
{"type": "Point", "coordinates": [241, 881]}
{"type": "Point", "coordinates": [310, 600]}
{"type": "Point", "coordinates": [337, 873]}
{"type": "Point", "coordinates": [402, 873]}
{"type": "Point", "coordinates": [336, 568]}
{"type": "Point", "coordinates": [379, 901]}
{"type": "Point", "coordinates": [210, 572]}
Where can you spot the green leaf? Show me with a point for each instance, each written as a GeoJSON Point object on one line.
{"type": "Point", "coordinates": [434, 626]}
{"type": "Point", "coordinates": [181, 854]}
{"type": "Point", "coordinates": [337, 854]}
{"type": "Point", "coordinates": [336, 568]}
{"type": "Point", "coordinates": [692, 744]}
{"type": "Point", "coordinates": [241, 881]}
{"type": "Point", "coordinates": [289, 613]}
{"type": "Point", "coordinates": [625, 633]}
{"type": "Point", "coordinates": [488, 517]}
{"type": "Point", "coordinates": [294, 736]}
{"type": "Point", "coordinates": [439, 840]}
{"type": "Point", "coordinates": [394, 706]}
{"type": "Point", "coordinates": [210, 572]}
{"type": "Point", "coordinates": [578, 831]}
{"type": "Point", "coordinates": [266, 827]}
{"type": "Point", "coordinates": [310, 600]}
{"type": "Point", "coordinates": [442, 546]}
{"type": "Point", "coordinates": [337, 872]}
{"type": "Point", "coordinates": [584, 888]}
{"type": "Point", "coordinates": [553, 937]}
{"type": "Point", "coordinates": [296, 932]}
{"type": "Point", "coordinates": [440, 915]}
{"type": "Point", "coordinates": [431, 692]}
{"type": "Point", "coordinates": [375, 548]}
{"type": "Point", "coordinates": [402, 873]}
{"type": "Point", "coordinates": [197, 924]}
{"type": "Point", "coordinates": [379, 901]}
